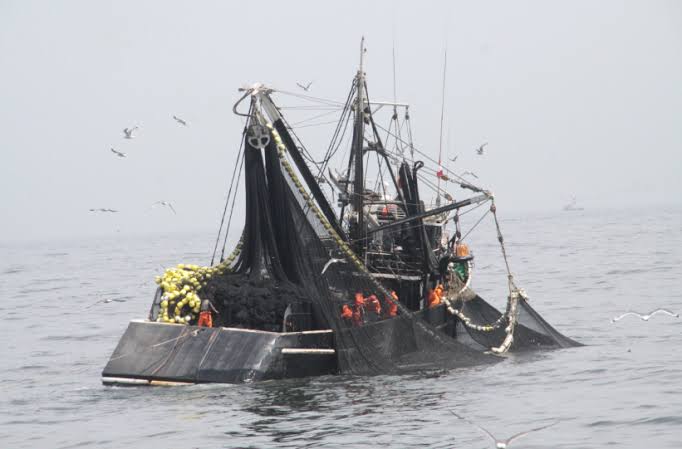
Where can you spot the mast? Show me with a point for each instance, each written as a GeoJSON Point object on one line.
{"type": "Point", "coordinates": [358, 142]}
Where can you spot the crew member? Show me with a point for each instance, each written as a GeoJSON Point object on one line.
{"type": "Point", "coordinates": [374, 305]}
{"type": "Point", "coordinates": [392, 306]}
{"type": "Point", "coordinates": [439, 291]}
{"type": "Point", "coordinates": [346, 312]}
{"type": "Point", "coordinates": [359, 309]}
{"type": "Point", "coordinates": [433, 299]}
{"type": "Point", "coordinates": [205, 317]}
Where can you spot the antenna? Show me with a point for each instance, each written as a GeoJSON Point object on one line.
{"type": "Point", "coordinates": [442, 113]}
{"type": "Point", "coordinates": [395, 100]}
{"type": "Point", "coordinates": [362, 52]}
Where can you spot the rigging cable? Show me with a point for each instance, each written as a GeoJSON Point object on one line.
{"type": "Point", "coordinates": [312, 99]}
{"type": "Point", "coordinates": [229, 220]}
{"type": "Point", "coordinates": [450, 173]}
{"type": "Point", "coordinates": [229, 194]}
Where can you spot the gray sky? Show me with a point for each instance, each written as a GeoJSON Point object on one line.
{"type": "Point", "coordinates": [576, 98]}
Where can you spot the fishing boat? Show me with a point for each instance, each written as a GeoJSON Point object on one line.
{"type": "Point", "coordinates": [573, 206]}
{"type": "Point", "coordinates": [338, 269]}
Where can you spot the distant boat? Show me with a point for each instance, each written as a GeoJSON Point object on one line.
{"type": "Point", "coordinates": [572, 206]}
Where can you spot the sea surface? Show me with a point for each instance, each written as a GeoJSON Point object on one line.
{"type": "Point", "coordinates": [580, 268]}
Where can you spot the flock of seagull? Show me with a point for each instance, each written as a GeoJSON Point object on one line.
{"type": "Point", "coordinates": [129, 133]}
{"type": "Point", "coordinates": [479, 151]}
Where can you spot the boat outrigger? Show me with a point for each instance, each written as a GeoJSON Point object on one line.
{"type": "Point", "coordinates": [373, 285]}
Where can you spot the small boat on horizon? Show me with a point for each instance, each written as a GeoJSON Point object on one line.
{"type": "Point", "coordinates": [573, 206]}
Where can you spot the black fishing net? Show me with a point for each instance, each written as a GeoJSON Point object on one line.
{"type": "Point", "coordinates": [293, 262]}
{"type": "Point", "coordinates": [244, 302]}
{"type": "Point", "coordinates": [531, 331]}
{"type": "Point", "coordinates": [295, 272]}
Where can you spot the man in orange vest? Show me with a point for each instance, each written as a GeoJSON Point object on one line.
{"type": "Point", "coordinates": [392, 306]}
{"type": "Point", "coordinates": [346, 312]}
{"type": "Point", "coordinates": [439, 291]}
{"type": "Point", "coordinates": [433, 299]}
{"type": "Point", "coordinates": [205, 318]}
{"type": "Point", "coordinates": [359, 309]}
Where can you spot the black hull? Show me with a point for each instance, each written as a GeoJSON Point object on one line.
{"type": "Point", "coordinates": [154, 353]}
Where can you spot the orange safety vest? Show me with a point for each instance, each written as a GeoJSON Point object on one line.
{"type": "Point", "coordinates": [439, 291]}
{"type": "Point", "coordinates": [205, 319]}
{"type": "Point", "coordinates": [461, 250]}
{"type": "Point", "coordinates": [392, 306]}
{"type": "Point", "coordinates": [374, 302]}
{"type": "Point", "coordinates": [346, 312]}
{"type": "Point", "coordinates": [433, 299]}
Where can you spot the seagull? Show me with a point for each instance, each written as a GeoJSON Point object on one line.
{"type": "Point", "coordinates": [454, 159]}
{"type": "Point", "coordinates": [645, 317]}
{"type": "Point", "coordinates": [103, 210]}
{"type": "Point", "coordinates": [105, 301]}
{"type": "Point", "coordinates": [118, 153]}
{"type": "Point", "coordinates": [179, 120]}
{"type": "Point", "coordinates": [504, 444]}
{"type": "Point", "coordinates": [304, 87]}
{"type": "Point", "coordinates": [469, 173]}
{"type": "Point", "coordinates": [164, 203]}
{"type": "Point", "coordinates": [128, 132]}
{"type": "Point", "coordinates": [479, 150]}
{"type": "Point", "coordinates": [331, 261]}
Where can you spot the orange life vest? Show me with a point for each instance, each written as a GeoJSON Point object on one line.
{"type": "Point", "coordinates": [392, 306]}
{"type": "Point", "coordinates": [462, 250]}
{"type": "Point", "coordinates": [346, 312]}
{"type": "Point", "coordinates": [205, 319]}
{"type": "Point", "coordinates": [433, 299]}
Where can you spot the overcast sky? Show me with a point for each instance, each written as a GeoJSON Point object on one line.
{"type": "Point", "coordinates": [576, 98]}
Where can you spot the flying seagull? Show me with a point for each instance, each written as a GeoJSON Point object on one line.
{"type": "Point", "coordinates": [454, 159]}
{"type": "Point", "coordinates": [479, 150]}
{"type": "Point", "coordinates": [504, 444]}
{"type": "Point", "coordinates": [164, 203]}
{"type": "Point", "coordinates": [331, 261]}
{"type": "Point", "coordinates": [469, 173]}
{"type": "Point", "coordinates": [304, 87]}
{"type": "Point", "coordinates": [128, 132]}
{"type": "Point", "coordinates": [179, 120]}
{"type": "Point", "coordinates": [645, 317]}
{"type": "Point", "coordinates": [103, 210]}
{"type": "Point", "coordinates": [118, 153]}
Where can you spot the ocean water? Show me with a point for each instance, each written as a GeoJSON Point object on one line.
{"type": "Point", "coordinates": [624, 389]}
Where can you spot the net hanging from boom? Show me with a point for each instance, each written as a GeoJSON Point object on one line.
{"type": "Point", "coordinates": [287, 243]}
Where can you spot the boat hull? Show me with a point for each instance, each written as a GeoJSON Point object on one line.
{"type": "Point", "coordinates": [156, 353]}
